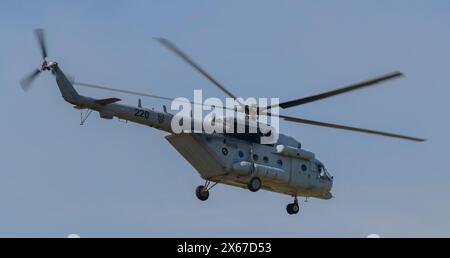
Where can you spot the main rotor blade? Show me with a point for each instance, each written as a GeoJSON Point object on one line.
{"type": "Point", "coordinates": [287, 118]}
{"type": "Point", "coordinates": [343, 90]}
{"type": "Point", "coordinates": [187, 59]}
{"type": "Point", "coordinates": [40, 35]}
{"type": "Point", "coordinates": [349, 128]}
{"type": "Point", "coordinates": [121, 91]}
{"type": "Point", "coordinates": [28, 80]}
{"type": "Point", "coordinates": [138, 93]}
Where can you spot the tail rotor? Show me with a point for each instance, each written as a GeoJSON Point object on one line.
{"type": "Point", "coordinates": [27, 81]}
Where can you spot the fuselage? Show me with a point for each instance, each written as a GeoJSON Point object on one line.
{"type": "Point", "coordinates": [228, 158]}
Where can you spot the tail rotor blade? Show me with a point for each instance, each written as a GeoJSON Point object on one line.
{"type": "Point", "coordinates": [27, 81]}
{"type": "Point", "coordinates": [40, 35]}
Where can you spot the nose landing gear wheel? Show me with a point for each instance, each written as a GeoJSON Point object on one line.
{"type": "Point", "coordinates": [202, 193]}
{"type": "Point", "coordinates": [254, 184]}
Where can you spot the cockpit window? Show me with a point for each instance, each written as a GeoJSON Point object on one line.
{"type": "Point", "coordinates": [323, 173]}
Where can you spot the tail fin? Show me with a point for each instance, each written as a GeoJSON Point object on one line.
{"type": "Point", "coordinates": [68, 92]}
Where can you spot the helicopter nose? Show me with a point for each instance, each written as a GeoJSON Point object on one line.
{"type": "Point", "coordinates": [328, 196]}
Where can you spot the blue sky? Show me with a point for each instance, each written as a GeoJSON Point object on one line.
{"type": "Point", "coordinates": [111, 179]}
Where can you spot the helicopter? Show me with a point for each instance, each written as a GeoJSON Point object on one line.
{"type": "Point", "coordinates": [236, 159]}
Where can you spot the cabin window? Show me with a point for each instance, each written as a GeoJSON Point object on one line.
{"type": "Point", "coordinates": [266, 159]}
{"type": "Point", "coordinates": [304, 167]}
{"type": "Point", "coordinates": [225, 151]}
{"type": "Point", "coordinates": [241, 154]}
{"type": "Point", "coordinates": [255, 157]}
{"type": "Point", "coordinates": [280, 162]}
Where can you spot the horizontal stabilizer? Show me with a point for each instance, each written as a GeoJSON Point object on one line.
{"type": "Point", "coordinates": [106, 101]}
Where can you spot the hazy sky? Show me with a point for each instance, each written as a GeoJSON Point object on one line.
{"type": "Point", "coordinates": [108, 178]}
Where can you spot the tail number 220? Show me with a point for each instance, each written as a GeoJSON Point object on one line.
{"type": "Point", "coordinates": [141, 113]}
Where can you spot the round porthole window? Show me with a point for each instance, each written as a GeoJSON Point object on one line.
{"type": "Point", "coordinates": [241, 154]}
{"type": "Point", "coordinates": [304, 167]}
{"type": "Point", "coordinates": [255, 157]}
{"type": "Point", "coordinates": [225, 151]}
{"type": "Point", "coordinates": [266, 159]}
{"type": "Point", "coordinates": [280, 162]}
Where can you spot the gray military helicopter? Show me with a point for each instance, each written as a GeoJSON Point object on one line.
{"type": "Point", "coordinates": [229, 158]}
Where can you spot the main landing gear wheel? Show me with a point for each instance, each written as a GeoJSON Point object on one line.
{"type": "Point", "coordinates": [202, 193]}
{"type": "Point", "coordinates": [254, 184]}
{"type": "Point", "coordinates": [293, 208]}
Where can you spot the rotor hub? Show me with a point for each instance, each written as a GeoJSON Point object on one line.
{"type": "Point", "coordinates": [46, 65]}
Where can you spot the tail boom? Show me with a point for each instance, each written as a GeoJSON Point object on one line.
{"type": "Point", "coordinates": [109, 108]}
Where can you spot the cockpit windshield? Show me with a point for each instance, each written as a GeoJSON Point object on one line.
{"type": "Point", "coordinates": [323, 172]}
